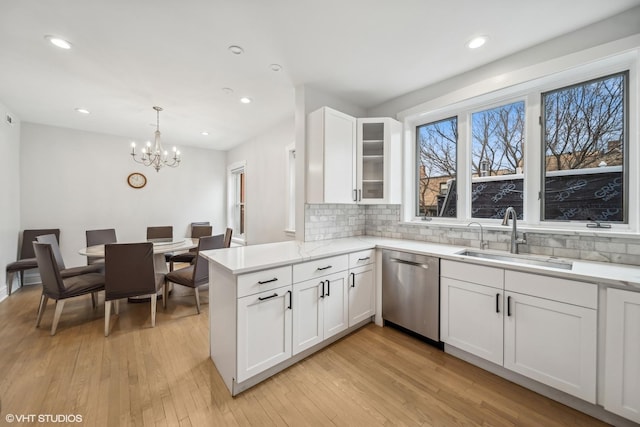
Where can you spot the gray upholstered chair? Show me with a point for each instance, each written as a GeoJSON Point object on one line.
{"type": "Point", "coordinates": [56, 287]}
{"type": "Point", "coordinates": [51, 239]}
{"type": "Point", "coordinates": [162, 233]}
{"type": "Point", "coordinates": [197, 231]}
{"type": "Point", "coordinates": [129, 272]}
{"type": "Point", "coordinates": [197, 274]}
{"type": "Point", "coordinates": [99, 237]}
{"type": "Point", "coordinates": [27, 259]}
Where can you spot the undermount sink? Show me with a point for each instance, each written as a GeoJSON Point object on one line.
{"type": "Point", "coordinates": [519, 259]}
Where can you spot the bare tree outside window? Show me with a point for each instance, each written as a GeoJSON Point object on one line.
{"type": "Point", "coordinates": [584, 142]}
{"type": "Point", "coordinates": [436, 164]}
{"type": "Point", "coordinates": [497, 160]}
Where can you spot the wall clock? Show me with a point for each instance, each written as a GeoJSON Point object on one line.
{"type": "Point", "coordinates": [137, 180]}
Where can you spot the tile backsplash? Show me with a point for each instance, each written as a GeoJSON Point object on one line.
{"type": "Point", "coordinates": [330, 221]}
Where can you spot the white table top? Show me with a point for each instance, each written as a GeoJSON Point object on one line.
{"type": "Point", "coordinates": [183, 244]}
{"type": "Point", "coordinates": [245, 259]}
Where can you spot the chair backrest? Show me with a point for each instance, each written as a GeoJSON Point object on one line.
{"type": "Point", "coordinates": [198, 231]}
{"type": "Point", "coordinates": [201, 267]}
{"type": "Point", "coordinates": [51, 239]}
{"type": "Point", "coordinates": [164, 232]}
{"type": "Point", "coordinates": [52, 284]}
{"type": "Point", "coordinates": [227, 237]}
{"type": "Point", "coordinates": [101, 237]}
{"type": "Point", "coordinates": [129, 270]}
{"type": "Point", "coordinates": [29, 236]}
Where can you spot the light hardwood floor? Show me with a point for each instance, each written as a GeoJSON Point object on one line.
{"type": "Point", "coordinates": [143, 376]}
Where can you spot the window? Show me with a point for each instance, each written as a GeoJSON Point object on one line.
{"type": "Point", "coordinates": [237, 200]}
{"type": "Point", "coordinates": [436, 154]}
{"type": "Point", "coordinates": [497, 160]}
{"type": "Point", "coordinates": [584, 151]}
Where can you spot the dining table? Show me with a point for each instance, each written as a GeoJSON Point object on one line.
{"type": "Point", "coordinates": [160, 248]}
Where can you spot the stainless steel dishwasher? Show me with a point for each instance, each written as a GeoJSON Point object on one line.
{"type": "Point", "coordinates": [411, 292]}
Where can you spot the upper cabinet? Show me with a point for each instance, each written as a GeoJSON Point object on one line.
{"type": "Point", "coordinates": [353, 160]}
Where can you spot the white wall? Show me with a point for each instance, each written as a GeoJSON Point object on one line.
{"type": "Point", "coordinates": [9, 191]}
{"type": "Point", "coordinates": [76, 180]}
{"type": "Point", "coordinates": [266, 185]}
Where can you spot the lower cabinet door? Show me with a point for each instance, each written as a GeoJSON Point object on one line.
{"type": "Point", "coordinates": [471, 318]}
{"type": "Point", "coordinates": [552, 342]}
{"type": "Point", "coordinates": [264, 331]}
{"type": "Point", "coordinates": [308, 314]}
{"type": "Point", "coordinates": [361, 293]}
{"type": "Point", "coordinates": [622, 354]}
{"type": "Point", "coordinates": [336, 306]}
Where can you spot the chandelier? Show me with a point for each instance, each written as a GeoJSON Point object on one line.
{"type": "Point", "coordinates": [156, 156]}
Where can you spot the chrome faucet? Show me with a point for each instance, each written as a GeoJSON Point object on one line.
{"type": "Point", "coordinates": [511, 212]}
{"type": "Point", "coordinates": [483, 244]}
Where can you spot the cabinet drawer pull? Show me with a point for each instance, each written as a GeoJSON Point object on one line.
{"type": "Point", "coordinates": [262, 282]}
{"type": "Point", "coordinates": [508, 306]}
{"type": "Point", "coordinates": [497, 303]}
{"type": "Point", "coordinates": [266, 298]}
{"type": "Point", "coordinates": [364, 259]}
{"type": "Point", "coordinates": [324, 268]}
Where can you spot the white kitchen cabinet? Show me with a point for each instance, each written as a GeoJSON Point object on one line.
{"type": "Point", "coordinates": [361, 293]}
{"type": "Point", "coordinates": [264, 331]}
{"type": "Point", "coordinates": [471, 318]}
{"type": "Point", "coordinates": [552, 342]}
{"type": "Point", "coordinates": [320, 310]}
{"type": "Point", "coordinates": [353, 160]}
{"type": "Point", "coordinates": [331, 157]}
{"type": "Point", "coordinates": [622, 354]}
{"type": "Point", "coordinates": [471, 300]}
{"type": "Point", "coordinates": [378, 156]}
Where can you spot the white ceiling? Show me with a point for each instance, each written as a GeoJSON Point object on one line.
{"type": "Point", "coordinates": [129, 55]}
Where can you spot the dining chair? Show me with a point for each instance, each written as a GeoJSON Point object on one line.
{"type": "Point", "coordinates": [197, 274]}
{"type": "Point", "coordinates": [197, 231]}
{"type": "Point", "coordinates": [99, 237]}
{"type": "Point", "coordinates": [129, 272]}
{"type": "Point", "coordinates": [161, 233]}
{"type": "Point", "coordinates": [51, 239]}
{"type": "Point", "coordinates": [60, 289]}
{"type": "Point", "coordinates": [27, 259]}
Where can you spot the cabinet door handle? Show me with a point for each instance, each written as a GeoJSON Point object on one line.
{"type": "Point", "coordinates": [269, 297]}
{"type": "Point", "coordinates": [355, 195]}
{"type": "Point", "coordinates": [359, 195]}
{"type": "Point", "coordinates": [322, 294]}
{"type": "Point", "coordinates": [290, 300]}
{"type": "Point", "coordinates": [497, 303]}
{"type": "Point", "coordinates": [324, 268]}
{"type": "Point", "coordinates": [508, 306]}
{"type": "Point", "coordinates": [262, 282]}
{"type": "Point", "coordinates": [353, 280]}
{"type": "Point", "coordinates": [328, 287]}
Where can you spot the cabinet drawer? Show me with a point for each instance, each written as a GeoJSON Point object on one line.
{"type": "Point", "coordinates": [264, 280]}
{"type": "Point", "coordinates": [362, 258]}
{"type": "Point", "coordinates": [472, 273]}
{"type": "Point", "coordinates": [319, 267]}
{"type": "Point", "coordinates": [553, 288]}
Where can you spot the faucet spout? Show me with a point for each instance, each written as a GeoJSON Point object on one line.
{"type": "Point", "coordinates": [511, 212]}
{"type": "Point", "coordinates": [483, 244]}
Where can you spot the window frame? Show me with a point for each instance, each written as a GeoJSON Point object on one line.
{"type": "Point", "coordinates": [520, 85]}
{"type": "Point", "coordinates": [233, 171]}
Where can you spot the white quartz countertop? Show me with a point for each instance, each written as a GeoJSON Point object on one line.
{"type": "Point", "coordinates": [245, 259]}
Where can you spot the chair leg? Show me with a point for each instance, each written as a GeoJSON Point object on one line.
{"type": "Point", "coordinates": [9, 282]}
{"type": "Point", "coordinates": [43, 305]}
{"type": "Point", "coordinates": [56, 316]}
{"type": "Point", "coordinates": [154, 300]}
{"type": "Point", "coordinates": [170, 265]}
{"type": "Point", "coordinates": [93, 300]}
{"type": "Point", "coordinates": [165, 294]}
{"type": "Point", "coordinates": [116, 306]}
{"type": "Point", "coordinates": [197, 294]}
{"type": "Point", "coordinates": [107, 317]}
{"type": "Point", "coordinates": [21, 278]}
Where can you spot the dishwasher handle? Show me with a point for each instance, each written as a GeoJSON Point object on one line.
{"type": "Point", "coordinates": [411, 263]}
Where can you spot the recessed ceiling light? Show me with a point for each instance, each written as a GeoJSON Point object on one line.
{"type": "Point", "coordinates": [205, 133]}
{"type": "Point", "coordinates": [476, 42]}
{"type": "Point", "coordinates": [83, 111]}
{"type": "Point", "coordinates": [227, 90]}
{"type": "Point", "coordinates": [57, 41]}
{"type": "Point", "coordinates": [237, 50]}
{"type": "Point", "coordinates": [275, 67]}
{"type": "Point", "coordinates": [245, 100]}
